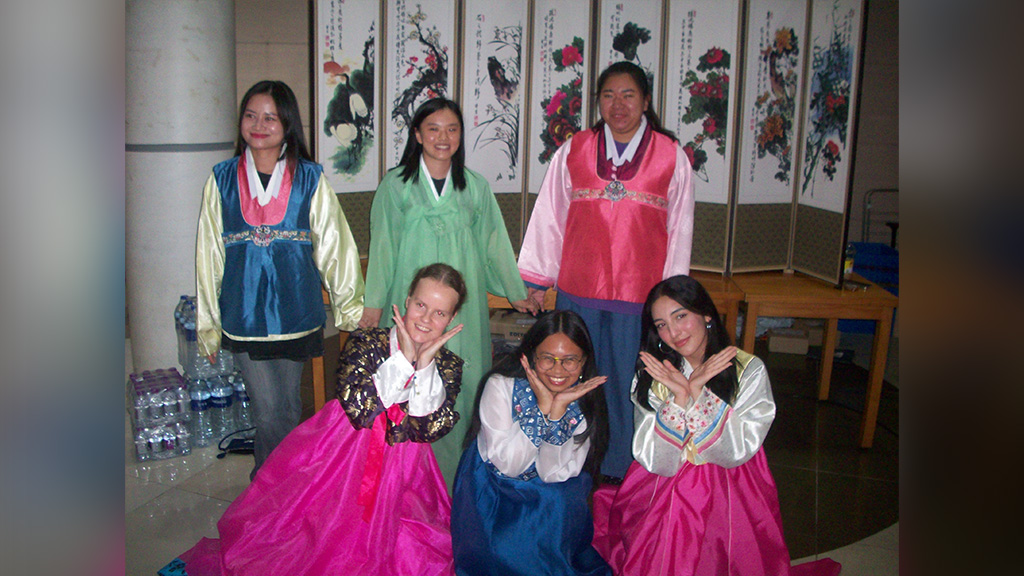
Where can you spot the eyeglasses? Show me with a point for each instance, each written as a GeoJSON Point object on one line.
{"type": "Point", "coordinates": [569, 363]}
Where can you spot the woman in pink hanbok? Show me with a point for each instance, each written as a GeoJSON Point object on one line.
{"type": "Point", "coordinates": [356, 488]}
{"type": "Point", "coordinates": [699, 499]}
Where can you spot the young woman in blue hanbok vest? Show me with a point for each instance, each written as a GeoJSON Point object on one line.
{"type": "Point", "coordinates": [271, 233]}
{"type": "Point", "coordinates": [520, 503]}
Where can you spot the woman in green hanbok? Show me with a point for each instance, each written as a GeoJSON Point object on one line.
{"type": "Point", "coordinates": [431, 208]}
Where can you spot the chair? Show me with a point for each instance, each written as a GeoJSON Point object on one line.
{"type": "Point", "coordinates": [319, 378]}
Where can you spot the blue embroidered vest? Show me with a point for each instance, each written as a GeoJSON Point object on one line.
{"type": "Point", "coordinates": [271, 285]}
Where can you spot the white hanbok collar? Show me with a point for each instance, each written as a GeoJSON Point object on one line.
{"type": "Point", "coordinates": [256, 189]}
{"type": "Point", "coordinates": [430, 179]}
{"type": "Point", "coordinates": [612, 151]}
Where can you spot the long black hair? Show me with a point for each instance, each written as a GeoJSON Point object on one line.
{"type": "Point", "coordinates": [410, 162]}
{"type": "Point", "coordinates": [689, 294]}
{"type": "Point", "coordinates": [592, 404]}
{"type": "Point", "coordinates": [287, 112]}
{"type": "Point", "coordinates": [639, 76]}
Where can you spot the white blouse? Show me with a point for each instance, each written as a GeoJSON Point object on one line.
{"type": "Point", "coordinates": [503, 443]}
{"type": "Point", "coordinates": [397, 381]}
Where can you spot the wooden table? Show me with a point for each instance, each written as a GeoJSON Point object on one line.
{"type": "Point", "coordinates": [794, 295]}
{"type": "Point", "coordinates": [724, 293]}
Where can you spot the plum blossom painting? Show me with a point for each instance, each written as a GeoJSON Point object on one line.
{"type": "Point", "coordinates": [558, 98]}
{"type": "Point", "coordinates": [493, 90]}
{"type": "Point", "coordinates": [419, 35]}
{"type": "Point", "coordinates": [345, 93]}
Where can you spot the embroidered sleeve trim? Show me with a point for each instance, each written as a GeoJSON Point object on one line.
{"type": "Point", "coordinates": [670, 425]}
{"type": "Point", "coordinates": [707, 418]}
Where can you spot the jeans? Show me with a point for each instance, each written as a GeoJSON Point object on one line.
{"type": "Point", "coordinates": [273, 387]}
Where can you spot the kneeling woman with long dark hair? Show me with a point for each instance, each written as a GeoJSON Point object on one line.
{"type": "Point", "coordinates": [520, 503]}
{"type": "Point", "coordinates": [700, 499]}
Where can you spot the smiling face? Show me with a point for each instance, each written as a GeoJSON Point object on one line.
{"type": "Point", "coordinates": [622, 106]}
{"type": "Point", "coordinates": [440, 134]}
{"type": "Point", "coordinates": [261, 126]}
{"type": "Point", "coordinates": [682, 330]}
{"type": "Point", "coordinates": [429, 310]}
{"type": "Point", "coordinates": [562, 350]}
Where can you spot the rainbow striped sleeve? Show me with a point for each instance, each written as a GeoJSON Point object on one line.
{"type": "Point", "coordinates": [670, 425]}
{"type": "Point", "coordinates": [706, 418]}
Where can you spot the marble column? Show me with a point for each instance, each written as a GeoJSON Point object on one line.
{"type": "Point", "coordinates": [180, 120]}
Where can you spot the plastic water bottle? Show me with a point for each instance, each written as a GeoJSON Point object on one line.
{"type": "Point", "coordinates": [243, 406]}
{"type": "Point", "coordinates": [221, 393]}
{"type": "Point", "coordinates": [179, 328]}
{"type": "Point", "coordinates": [202, 425]}
{"type": "Point", "coordinates": [142, 451]}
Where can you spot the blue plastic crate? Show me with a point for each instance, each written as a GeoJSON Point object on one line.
{"type": "Point", "coordinates": [880, 264]}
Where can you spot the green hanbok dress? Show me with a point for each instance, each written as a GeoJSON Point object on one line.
{"type": "Point", "coordinates": [410, 227]}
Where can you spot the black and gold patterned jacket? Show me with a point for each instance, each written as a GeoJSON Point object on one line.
{"type": "Point", "coordinates": [364, 352]}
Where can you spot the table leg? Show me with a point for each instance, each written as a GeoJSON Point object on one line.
{"type": "Point", "coordinates": [828, 355]}
{"type": "Point", "coordinates": [750, 328]}
{"type": "Point", "coordinates": [879, 355]}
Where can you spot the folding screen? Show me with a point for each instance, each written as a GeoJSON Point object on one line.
{"type": "Point", "coordinates": [773, 80]}
{"type": "Point", "coordinates": [761, 93]}
{"type": "Point", "coordinates": [699, 106]}
{"type": "Point", "coordinates": [829, 107]}
{"type": "Point", "coordinates": [494, 89]}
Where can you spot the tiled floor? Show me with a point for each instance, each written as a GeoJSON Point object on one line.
{"type": "Point", "coordinates": [837, 500]}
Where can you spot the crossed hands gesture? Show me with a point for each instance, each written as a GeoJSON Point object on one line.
{"type": "Point", "coordinates": [685, 388]}
{"type": "Point", "coordinates": [419, 355]}
{"type": "Point", "coordinates": [551, 404]}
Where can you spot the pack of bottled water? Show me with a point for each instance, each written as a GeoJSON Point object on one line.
{"type": "Point", "coordinates": [158, 402]}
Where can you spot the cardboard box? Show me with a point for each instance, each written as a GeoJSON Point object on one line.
{"type": "Point", "coordinates": [788, 341]}
{"type": "Point", "coordinates": [510, 326]}
{"type": "Point", "coordinates": [815, 329]}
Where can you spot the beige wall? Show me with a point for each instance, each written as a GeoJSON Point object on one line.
{"type": "Point", "coordinates": [273, 43]}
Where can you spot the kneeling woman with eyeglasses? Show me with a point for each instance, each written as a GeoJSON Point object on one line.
{"type": "Point", "coordinates": [520, 503]}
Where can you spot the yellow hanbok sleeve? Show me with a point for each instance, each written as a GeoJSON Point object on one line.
{"type": "Point", "coordinates": [336, 256]}
{"type": "Point", "coordinates": [209, 269]}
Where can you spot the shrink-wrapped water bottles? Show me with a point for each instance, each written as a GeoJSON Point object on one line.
{"type": "Point", "coordinates": [160, 415]}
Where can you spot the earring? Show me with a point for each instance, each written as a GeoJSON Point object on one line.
{"type": "Point", "coordinates": [708, 326]}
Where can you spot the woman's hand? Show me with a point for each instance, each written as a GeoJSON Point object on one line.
{"type": "Point", "coordinates": [682, 387]}
{"type": "Point", "coordinates": [405, 342]}
{"type": "Point", "coordinates": [421, 354]}
{"type": "Point", "coordinates": [537, 295]}
{"type": "Point", "coordinates": [370, 317]}
{"type": "Point", "coordinates": [711, 367]}
{"type": "Point", "coordinates": [429, 349]}
{"type": "Point", "coordinates": [544, 396]}
{"type": "Point", "coordinates": [528, 306]}
{"type": "Point", "coordinates": [663, 371]}
{"type": "Point", "coordinates": [562, 399]}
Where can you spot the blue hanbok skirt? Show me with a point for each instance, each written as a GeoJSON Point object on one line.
{"type": "Point", "coordinates": [506, 526]}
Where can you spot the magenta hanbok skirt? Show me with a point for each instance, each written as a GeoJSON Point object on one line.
{"type": "Point", "coordinates": [704, 521]}
{"type": "Point", "coordinates": [331, 499]}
